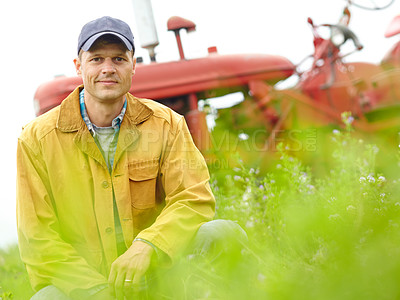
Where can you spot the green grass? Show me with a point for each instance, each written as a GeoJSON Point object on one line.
{"type": "Point", "coordinates": [327, 237]}
{"type": "Point", "coordinates": [14, 282]}
{"type": "Point", "coordinates": [312, 235]}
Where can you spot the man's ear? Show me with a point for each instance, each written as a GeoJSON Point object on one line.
{"type": "Point", "coordinates": [77, 63]}
{"type": "Point", "coordinates": [134, 66]}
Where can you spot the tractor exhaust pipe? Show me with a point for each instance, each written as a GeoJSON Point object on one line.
{"type": "Point", "coordinates": [146, 26]}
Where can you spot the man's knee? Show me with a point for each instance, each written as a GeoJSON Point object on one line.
{"type": "Point", "coordinates": [50, 293]}
{"type": "Point", "coordinates": [219, 238]}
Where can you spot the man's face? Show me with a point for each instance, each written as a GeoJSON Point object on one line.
{"type": "Point", "coordinates": [107, 71]}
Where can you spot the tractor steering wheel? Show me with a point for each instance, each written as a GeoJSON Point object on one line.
{"type": "Point", "coordinates": [371, 4]}
{"type": "Point", "coordinates": [340, 34]}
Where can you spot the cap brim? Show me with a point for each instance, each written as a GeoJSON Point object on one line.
{"type": "Point", "coordinates": [89, 43]}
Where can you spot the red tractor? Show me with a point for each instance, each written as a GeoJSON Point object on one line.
{"type": "Point", "coordinates": [331, 86]}
{"type": "Point", "coordinates": [328, 88]}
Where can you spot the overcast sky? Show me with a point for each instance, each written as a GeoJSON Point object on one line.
{"type": "Point", "coordinates": [39, 42]}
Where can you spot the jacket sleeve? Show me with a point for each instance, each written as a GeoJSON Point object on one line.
{"type": "Point", "coordinates": [48, 258]}
{"type": "Point", "coordinates": [188, 197]}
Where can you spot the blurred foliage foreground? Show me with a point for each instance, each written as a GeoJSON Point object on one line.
{"type": "Point", "coordinates": [330, 236]}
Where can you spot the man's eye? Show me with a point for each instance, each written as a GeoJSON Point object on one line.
{"type": "Point", "coordinates": [96, 59]}
{"type": "Point", "coordinates": [119, 59]}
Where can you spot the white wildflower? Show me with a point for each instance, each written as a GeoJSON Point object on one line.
{"type": "Point", "coordinates": [261, 277]}
{"type": "Point", "coordinates": [371, 178]}
{"type": "Point", "coordinates": [350, 208]}
{"type": "Point", "coordinates": [247, 194]}
{"type": "Point", "coordinates": [350, 120]}
{"type": "Point", "coordinates": [243, 136]}
{"type": "Point", "coordinates": [334, 217]}
{"type": "Point", "coordinates": [311, 187]}
{"type": "Point", "coordinates": [375, 149]}
{"type": "Point", "coordinates": [303, 177]}
{"type": "Point", "coordinates": [249, 224]}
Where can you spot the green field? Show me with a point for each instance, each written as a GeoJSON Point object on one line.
{"type": "Point", "coordinates": [14, 282]}
{"type": "Point", "coordinates": [326, 230]}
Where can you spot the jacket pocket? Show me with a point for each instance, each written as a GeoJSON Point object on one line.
{"type": "Point", "coordinates": [142, 184]}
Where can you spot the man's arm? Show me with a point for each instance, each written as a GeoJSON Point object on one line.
{"type": "Point", "coordinates": [188, 197]}
{"type": "Point", "coordinates": [189, 203]}
{"type": "Point", "coordinates": [48, 258]}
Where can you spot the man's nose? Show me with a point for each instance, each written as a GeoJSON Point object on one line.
{"type": "Point", "coordinates": [108, 66]}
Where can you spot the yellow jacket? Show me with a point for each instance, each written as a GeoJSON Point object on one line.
{"type": "Point", "coordinates": [64, 191]}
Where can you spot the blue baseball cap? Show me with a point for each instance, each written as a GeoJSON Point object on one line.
{"type": "Point", "coordinates": [102, 26]}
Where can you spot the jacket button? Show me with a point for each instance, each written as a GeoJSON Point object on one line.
{"type": "Point", "coordinates": [104, 184]}
{"type": "Point", "coordinates": [109, 230]}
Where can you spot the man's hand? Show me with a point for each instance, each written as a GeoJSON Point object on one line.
{"type": "Point", "coordinates": [130, 266]}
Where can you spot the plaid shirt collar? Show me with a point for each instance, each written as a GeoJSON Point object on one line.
{"type": "Point", "coordinates": [116, 123]}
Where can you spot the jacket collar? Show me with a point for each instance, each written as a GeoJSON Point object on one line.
{"type": "Point", "coordinates": [70, 119]}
